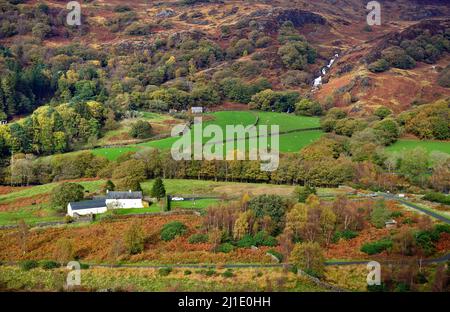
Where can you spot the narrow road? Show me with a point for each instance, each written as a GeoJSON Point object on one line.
{"type": "Point", "coordinates": [413, 206]}
{"type": "Point", "coordinates": [441, 259]}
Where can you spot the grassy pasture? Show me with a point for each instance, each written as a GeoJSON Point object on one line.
{"type": "Point", "coordinates": [429, 146]}
{"type": "Point", "coordinates": [290, 142]}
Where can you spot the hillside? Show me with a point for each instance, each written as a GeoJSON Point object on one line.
{"type": "Point", "coordinates": [245, 38]}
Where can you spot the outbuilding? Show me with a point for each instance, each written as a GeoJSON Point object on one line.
{"type": "Point", "coordinates": [86, 207]}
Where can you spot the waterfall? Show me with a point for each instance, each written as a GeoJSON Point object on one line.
{"type": "Point", "coordinates": [318, 81]}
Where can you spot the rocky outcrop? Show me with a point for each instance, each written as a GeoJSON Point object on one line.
{"type": "Point", "coordinates": [271, 19]}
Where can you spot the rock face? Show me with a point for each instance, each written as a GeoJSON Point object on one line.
{"type": "Point", "coordinates": [299, 17]}
{"type": "Point", "coordinates": [271, 19]}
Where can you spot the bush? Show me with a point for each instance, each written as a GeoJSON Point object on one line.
{"type": "Point", "coordinates": [49, 265]}
{"type": "Point", "coordinates": [141, 130]}
{"type": "Point", "coordinates": [263, 239]}
{"type": "Point", "coordinates": [187, 272]}
{"type": "Point", "coordinates": [396, 214]}
{"type": "Point", "coordinates": [198, 238]}
{"type": "Point", "coordinates": [164, 271]}
{"type": "Point", "coordinates": [245, 242]}
{"type": "Point", "coordinates": [437, 197]}
{"type": "Point", "coordinates": [172, 230]}
{"type": "Point", "coordinates": [277, 254]}
{"type": "Point", "coordinates": [379, 66]}
{"type": "Point", "coordinates": [28, 265]}
{"type": "Point", "coordinates": [263, 42]}
{"type": "Point", "coordinates": [228, 273]}
{"type": "Point", "coordinates": [346, 234]}
{"type": "Point", "coordinates": [377, 247]}
{"type": "Point", "coordinates": [444, 77]}
{"type": "Point", "coordinates": [84, 266]}
{"type": "Point", "coordinates": [210, 272]}
{"type": "Point", "coordinates": [225, 248]}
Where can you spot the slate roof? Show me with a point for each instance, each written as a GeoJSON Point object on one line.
{"type": "Point", "coordinates": [88, 204]}
{"type": "Point", "coordinates": [124, 195]}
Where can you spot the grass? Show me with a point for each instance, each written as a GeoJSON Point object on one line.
{"type": "Point", "coordinates": [90, 186]}
{"type": "Point", "coordinates": [290, 142]}
{"type": "Point", "coordinates": [31, 215]}
{"type": "Point", "coordinates": [137, 279]}
{"type": "Point", "coordinates": [429, 146]}
{"type": "Point", "coordinates": [286, 121]}
{"type": "Point", "coordinates": [195, 204]}
{"type": "Point", "coordinates": [152, 208]}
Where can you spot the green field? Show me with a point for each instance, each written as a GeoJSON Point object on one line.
{"type": "Point", "coordinates": [430, 146]}
{"type": "Point", "coordinates": [202, 203]}
{"type": "Point", "coordinates": [290, 142]}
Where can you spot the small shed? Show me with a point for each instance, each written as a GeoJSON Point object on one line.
{"type": "Point", "coordinates": [391, 224]}
{"type": "Point", "coordinates": [197, 110]}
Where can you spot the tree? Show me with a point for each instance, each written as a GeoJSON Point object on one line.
{"type": "Point", "coordinates": [64, 251]}
{"type": "Point", "coordinates": [379, 214]}
{"type": "Point", "coordinates": [23, 234]}
{"type": "Point", "coordinates": [308, 257]}
{"type": "Point", "coordinates": [414, 165]}
{"type": "Point", "coordinates": [297, 55]}
{"type": "Point", "coordinates": [388, 130]}
{"type": "Point", "coordinates": [141, 130]}
{"type": "Point", "coordinates": [272, 206]}
{"type": "Point", "coordinates": [382, 112]}
{"type": "Point", "coordinates": [109, 186]}
{"type": "Point", "coordinates": [303, 192]}
{"type": "Point", "coordinates": [134, 238]}
{"type": "Point", "coordinates": [158, 189]}
{"type": "Point", "coordinates": [307, 107]}
{"type": "Point", "coordinates": [65, 193]}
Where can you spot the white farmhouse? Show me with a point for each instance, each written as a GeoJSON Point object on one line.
{"type": "Point", "coordinates": [86, 207]}
{"type": "Point", "coordinates": [113, 200]}
{"type": "Point", "coordinates": [124, 200]}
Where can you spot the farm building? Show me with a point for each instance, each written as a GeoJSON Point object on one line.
{"type": "Point", "coordinates": [86, 207]}
{"type": "Point", "coordinates": [197, 110]}
{"type": "Point", "coordinates": [124, 199]}
{"type": "Point", "coordinates": [113, 200]}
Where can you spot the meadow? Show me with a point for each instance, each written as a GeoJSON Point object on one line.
{"type": "Point", "coordinates": [289, 142]}
{"type": "Point", "coordinates": [429, 146]}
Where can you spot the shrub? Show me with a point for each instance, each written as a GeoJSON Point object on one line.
{"type": "Point", "coordinates": [437, 197]}
{"type": "Point", "coordinates": [396, 214]}
{"type": "Point", "coordinates": [377, 247]}
{"type": "Point", "coordinates": [84, 266]}
{"type": "Point", "coordinates": [210, 272]}
{"type": "Point", "coordinates": [28, 265]}
{"type": "Point", "coordinates": [379, 66]}
{"type": "Point", "coordinates": [307, 107]}
{"type": "Point", "coordinates": [164, 271]}
{"type": "Point", "coordinates": [346, 234]}
{"type": "Point", "coordinates": [187, 272]}
{"type": "Point", "coordinates": [246, 242]}
{"type": "Point", "coordinates": [172, 230]}
{"type": "Point", "coordinates": [379, 214]}
{"type": "Point", "coordinates": [225, 248]}
{"type": "Point", "coordinates": [141, 130]}
{"type": "Point", "coordinates": [228, 273]}
{"type": "Point", "coordinates": [444, 77]}
{"type": "Point", "coordinates": [134, 239]}
{"type": "Point", "coordinates": [275, 253]}
{"type": "Point", "coordinates": [263, 42]}
{"type": "Point", "coordinates": [398, 58]}
{"type": "Point", "coordinates": [198, 238]}
{"type": "Point", "coordinates": [263, 239]}
{"type": "Point", "coordinates": [49, 265]}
